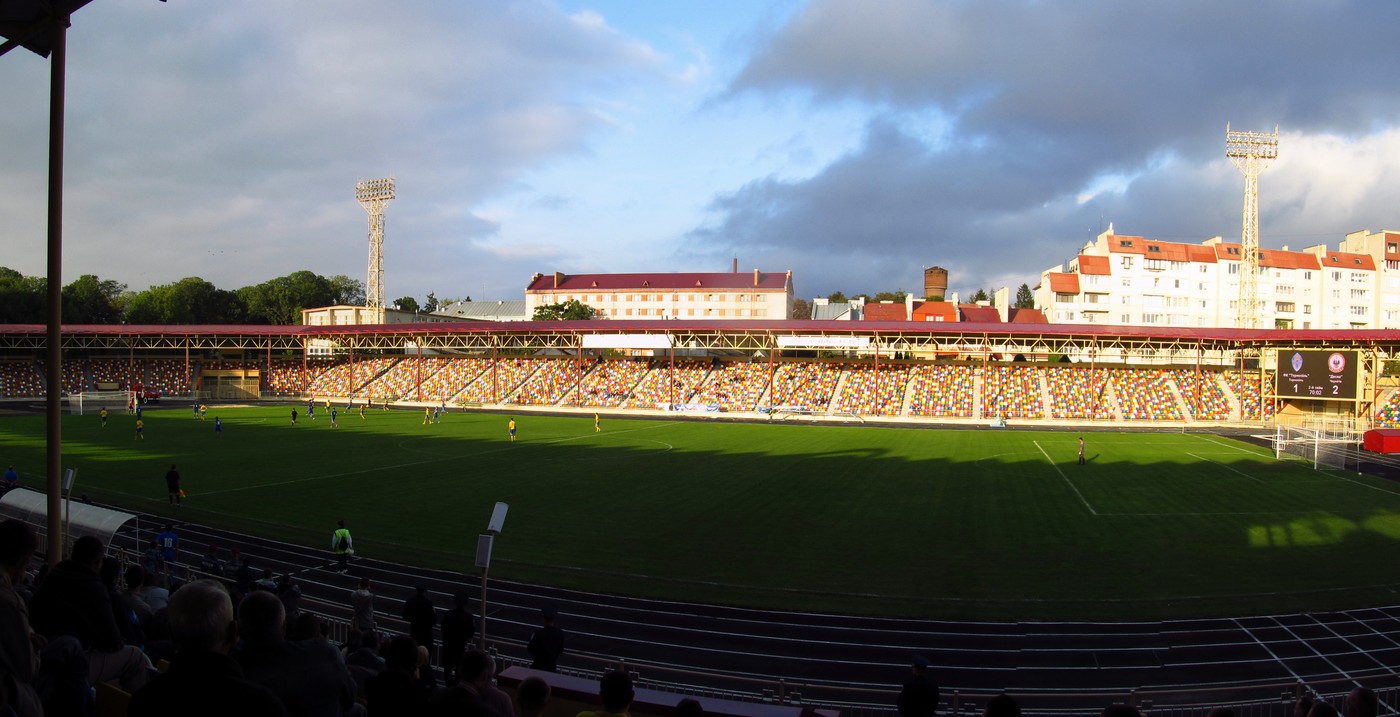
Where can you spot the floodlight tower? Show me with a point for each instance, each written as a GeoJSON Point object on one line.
{"type": "Point", "coordinates": [1251, 152]}
{"type": "Point", "coordinates": [374, 195]}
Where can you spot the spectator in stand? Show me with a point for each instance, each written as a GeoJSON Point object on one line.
{"type": "Point", "coordinates": [421, 616]}
{"type": "Point", "coordinates": [11, 478]}
{"type": "Point", "coordinates": [211, 564]}
{"type": "Point", "coordinates": [458, 628]}
{"type": "Point", "coordinates": [364, 662]}
{"type": "Point", "coordinates": [615, 690]}
{"type": "Point", "coordinates": [919, 697]}
{"type": "Point", "coordinates": [19, 657]}
{"type": "Point", "coordinates": [307, 627]}
{"type": "Point", "coordinates": [1221, 712]}
{"type": "Point", "coordinates": [1303, 706]}
{"type": "Point", "coordinates": [153, 562]}
{"type": "Point", "coordinates": [533, 696]}
{"type": "Point", "coordinates": [244, 576]}
{"type": "Point", "coordinates": [128, 621]}
{"type": "Point", "coordinates": [1361, 702]}
{"type": "Point", "coordinates": [290, 595]}
{"type": "Point", "coordinates": [155, 597]}
{"type": "Point", "coordinates": [362, 602]}
{"type": "Point", "coordinates": [267, 583]}
{"type": "Point", "coordinates": [308, 677]}
{"type": "Point", "coordinates": [547, 644]}
{"type": "Point", "coordinates": [425, 670]}
{"type": "Point", "coordinates": [689, 707]}
{"type": "Point", "coordinates": [464, 697]}
{"type": "Point", "coordinates": [1002, 706]}
{"type": "Point", "coordinates": [396, 692]}
{"type": "Point", "coordinates": [1322, 709]}
{"type": "Point", "coordinates": [73, 601]}
{"type": "Point", "coordinates": [202, 678]}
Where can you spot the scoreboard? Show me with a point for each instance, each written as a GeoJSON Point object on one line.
{"type": "Point", "coordinates": [1323, 375]}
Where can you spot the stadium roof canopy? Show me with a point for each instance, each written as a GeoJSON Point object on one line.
{"type": "Point", "coordinates": [888, 336]}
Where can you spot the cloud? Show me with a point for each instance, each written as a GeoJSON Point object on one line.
{"type": "Point", "coordinates": [1054, 115]}
{"type": "Point", "coordinates": [245, 125]}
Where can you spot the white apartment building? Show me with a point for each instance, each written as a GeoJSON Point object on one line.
{"type": "Point", "coordinates": [1133, 281]}
{"type": "Point", "coordinates": [726, 295]}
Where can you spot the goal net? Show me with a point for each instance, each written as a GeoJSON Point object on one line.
{"type": "Point", "coordinates": [1323, 443]}
{"type": "Point", "coordinates": [94, 401]}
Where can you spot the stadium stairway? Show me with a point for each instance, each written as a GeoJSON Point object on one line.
{"type": "Point", "coordinates": [1181, 405]}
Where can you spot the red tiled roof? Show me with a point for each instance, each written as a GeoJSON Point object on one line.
{"type": "Point", "coordinates": [930, 310]}
{"type": "Point", "coordinates": [1064, 283]}
{"type": "Point", "coordinates": [1200, 253]}
{"type": "Point", "coordinates": [886, 311]}
{"type": "Point", "coordinates": [1228, 252]}
{"type": "Point", "coordinates": [1337, 259]}
{"type": "Point", "coordinates": [1026, 316]}
{"type": "Point", "coordinates": [692, 281]}
{"type": "Point", "coordinates": [1279, 259]}
{"type": "Point", "coordinates": [1126, 244]}
{"type": "Point", "coordinates": [984, 314]}
{"type": "Point", "coordinates": [1089, 264]}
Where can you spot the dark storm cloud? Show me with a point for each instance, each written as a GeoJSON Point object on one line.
{"type": "Point", "coordinates": [1043, 99]}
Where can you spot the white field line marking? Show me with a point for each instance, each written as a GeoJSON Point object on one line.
{"type": "Point", "coordinates": [1228, 468]}
{"type": "Point", "coordinates": [1344, 477]}
{"type": "Point", "coordinates": [1266, 648]}
{"type": "Point", "coordinates": [1072, 486]}
{"type": "Point", "coordinates": [377, 469]}
{"type": "Point", "coordinates": [1235, 448]}
{"type": "Point", "coordinates": [1344, 638]}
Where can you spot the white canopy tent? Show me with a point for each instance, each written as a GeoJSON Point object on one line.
{"type": "Point", "coordinates": [82, 519]}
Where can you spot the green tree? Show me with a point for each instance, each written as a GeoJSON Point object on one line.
{"type": "Point", "coordinates": [345, 291]}
{"type": "Point", "coordinates": [801, 309]}
{"type": "Point", "coordinates": [895, 296]}
{"type": "Point", "coordinates": [90, 300]}
{"type": "Point", "coordinates": [1024, 298]}
{"type": "Point", "coordinates": [191, 300]}
{"type": "Point", "coordinates": [407, 303]}
{"type": "Point", "coordinates": [571, 310]}
{"type": "Point", "coordinates": [980, 295]}
{"type": "Point", "coordinates": [836, 297]}
{"type": "Point", "coordinates": [22, 298]}
{"type": "Point", "coordinates": [431, 304]}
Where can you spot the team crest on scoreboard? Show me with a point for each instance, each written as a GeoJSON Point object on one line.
{"type": "Point", "coordinates": [1297, 361]}
{"type": "Point", "coordinates": [1336, 362]}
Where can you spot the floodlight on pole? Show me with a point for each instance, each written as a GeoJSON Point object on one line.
{"type": "Point", "coordinates": [1251, 152]}
{"type": "Point", "coordinates": [374, 195]}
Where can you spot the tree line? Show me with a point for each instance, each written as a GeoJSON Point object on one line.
{"type": "Point", "coordinates": [92, 300]}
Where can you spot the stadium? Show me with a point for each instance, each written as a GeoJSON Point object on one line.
{"type": "Point", "coordinates": [783, 512]}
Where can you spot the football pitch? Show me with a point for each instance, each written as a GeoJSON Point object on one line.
{"type": "Point", "coordinates": [970, 524]}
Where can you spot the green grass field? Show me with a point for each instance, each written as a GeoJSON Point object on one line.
{"type": "Point", "coordinates": [981, 524]}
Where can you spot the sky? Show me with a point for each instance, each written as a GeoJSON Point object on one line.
{"type": "Point", "coordinates": [852, 142]}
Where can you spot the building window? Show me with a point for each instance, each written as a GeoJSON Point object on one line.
{"type": "Point", "coordinates": [1358, 311]}
{"type": "Point", "coordinates": [1127, 262]}
{"type": "Point", "coordinates": [1307, 276]}
{"type": "Point", "coordinates": [1064, 298]}
{"type": "Point", "coordinates": [1358, 277]}
{"type": "Point", "coordinates": [1283, 307]}
{"type": "Point", "coordinates": [1234, 269]}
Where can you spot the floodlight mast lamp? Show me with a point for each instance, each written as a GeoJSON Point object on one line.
{"type": "Point", "coordinates": [1251, 152]}
{"type": "Point", "coordinates": [374, 195]}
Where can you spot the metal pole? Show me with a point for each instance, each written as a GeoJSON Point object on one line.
{"type": "Point", "coordinates": [484, 572]}
{"type": "Point", "coordinates": [54, 339]}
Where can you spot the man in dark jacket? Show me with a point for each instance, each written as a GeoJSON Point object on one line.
{"type": "Point", "coordinates": [458, 628]}
{"type": "Point", "coordinates": [421, 616]}
{"type": "Point", "coordinates": [547, 644]}
{"type": "Point", "coordinates": [919, 698]}
{"type": "Point", "coordinates": [73, 601]}
{"type": "Point", "coordinates": [202, 679]}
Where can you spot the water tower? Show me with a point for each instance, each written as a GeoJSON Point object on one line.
{"type": "Point", "coordinates": [935, 282]}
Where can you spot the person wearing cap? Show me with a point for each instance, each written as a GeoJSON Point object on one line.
{"type": "Point", "coordinates": [919, 698]}
{"type": "Point", "coordinates": [547, 644]}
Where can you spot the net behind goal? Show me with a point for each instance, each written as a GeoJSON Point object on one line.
{"type": "Point", "coordinates": [1324, 444]}
{"type": "Point", "coordinates": [94, 401]}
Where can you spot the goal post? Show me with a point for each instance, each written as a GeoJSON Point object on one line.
{"type": "Point", "coordinates": [1323, 443]}
{"type": "Point", "coordinates": [88, 402]}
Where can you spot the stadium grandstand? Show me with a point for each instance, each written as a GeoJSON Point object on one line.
{"type": "Point", "coordinates": [908, 371]}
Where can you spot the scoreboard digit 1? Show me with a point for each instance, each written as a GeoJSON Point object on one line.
{"type": "Point", "coordinates": [1319, 375]}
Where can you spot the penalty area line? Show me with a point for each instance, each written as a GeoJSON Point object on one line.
{"type": "Point", "coordinates": [1072, 486]}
